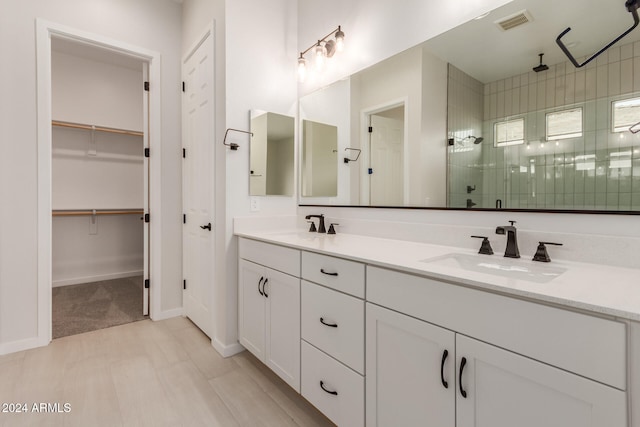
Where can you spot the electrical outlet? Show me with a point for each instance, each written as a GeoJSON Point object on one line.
{"type": "Point", "coordinates": [255, 204]}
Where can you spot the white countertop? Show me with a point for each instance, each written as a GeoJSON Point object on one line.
{"type": "Point", "coordinates": [613, 291]}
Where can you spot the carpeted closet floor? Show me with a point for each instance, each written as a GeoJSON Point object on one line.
{"type": "Point", "coordinates": [92, 306]}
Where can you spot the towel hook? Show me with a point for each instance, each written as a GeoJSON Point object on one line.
{"type": "Point", "coordinates": [233, 145]}
{"type": "Point", "coordinates": [632, 7]}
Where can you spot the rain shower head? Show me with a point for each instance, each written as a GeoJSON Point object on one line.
{"type": "Point", "coordinates": [541, 67]}
{"type": "Point", "coordinates": [475, 139]}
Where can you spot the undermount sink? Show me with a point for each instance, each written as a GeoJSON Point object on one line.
{"type": "Point", "coordinates": [499, 266]}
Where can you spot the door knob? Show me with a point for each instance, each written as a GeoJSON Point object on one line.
{"type": "Point", "coordinates": [206, 227]}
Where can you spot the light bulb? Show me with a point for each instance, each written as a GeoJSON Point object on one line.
{"type": "Point", "coordinates": [320, 56]}
{"type": "Point", "coordinates": [339, 40]}
{"type": "Point", "coordinates": [302, 68]}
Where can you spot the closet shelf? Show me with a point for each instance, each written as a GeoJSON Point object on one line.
{"type": "Point", "coordinates": [89, 212]}
{"type": "Point", "coordinates": [98, 128]}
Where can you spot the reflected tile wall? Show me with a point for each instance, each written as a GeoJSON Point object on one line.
{"type": "Point", "coordinates": [600, 170]}
{"type": "Point", "coordinates": [465, 118]}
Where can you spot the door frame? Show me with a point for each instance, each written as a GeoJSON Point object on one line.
{"type": "Point", "coordinates": [365, 141]}
{"type": "Point", "coordinates": [45, 30]}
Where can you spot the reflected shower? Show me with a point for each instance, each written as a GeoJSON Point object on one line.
{"type": "Point", "coordinates": [475, 140]}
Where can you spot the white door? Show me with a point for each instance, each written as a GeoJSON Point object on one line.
{"type": "Point", "coordinates": [504, 389]}
{"type": "Point", "coordinates": [282, 295]}
{"type": "Point", "coordinates": [386, 153]}
{"type": "Point", "coordinates": [252, 308]}
{"type": "Point", "coordinates": [410, 371]}
{"type": "Point", "coordinates": [198, 184]}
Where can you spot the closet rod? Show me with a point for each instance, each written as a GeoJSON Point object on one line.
{"type": "Point", "coordinates": [98, 128]}
{"type": "Point", "coordinates": [97, 212]}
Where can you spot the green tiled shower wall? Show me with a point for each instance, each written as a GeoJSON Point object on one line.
{"type": "Point", "coordinates": [598, 171]}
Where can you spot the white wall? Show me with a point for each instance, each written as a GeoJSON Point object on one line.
{"type": "Point", "coordinates": [255, 70]}
{"type": "Point", "coordinates": [150, 24]}
{"type": "Point", "coordinates": [114, 251]}
{"type": "Point", "coordinates": [432, 162]}
{"type": "Point", "coordinates": [95, 92]}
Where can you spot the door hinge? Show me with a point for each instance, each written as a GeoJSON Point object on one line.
{"type": "Point", "coordinates": [184, 284]}
{"type": "Point", "coordinates": [370, 129]}
{"type": "Point", "coordinates": [184, 87]}
{"type": "Point", "coordinates": [146, 152]}
{"type": "Point", "coordinates": [146, 86]}
{"type": "Point", "coordinates": [184, 218]}
{"type": "Point", "coordinates": [184, 153]}
{"type": "Point", "coordinates": [146, 283]}
{"type": "Point", "coordinates": [146, 217]}
{"type": "Point", "coordinates": [370, 171]}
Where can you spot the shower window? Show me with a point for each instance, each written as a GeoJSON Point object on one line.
{"type": "Point", "coordinates": [508, 132]}
{"type": "Point", "coordinates": [625, 114]}
{"type": "Point", "coordinates": [564, 124]}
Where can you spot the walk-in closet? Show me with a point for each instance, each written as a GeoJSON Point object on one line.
{"type": "Point", "coordinates": [99, 188]}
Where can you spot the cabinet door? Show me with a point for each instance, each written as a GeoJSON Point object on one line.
{"type": "Point", "coordinates": [282, 296]}
{"type": "Point", "coordinates": [405, 372]}
{"type": "Point", "coordinates": [504, 389]}
{"type": "Point", "coordinates": [251, 308]}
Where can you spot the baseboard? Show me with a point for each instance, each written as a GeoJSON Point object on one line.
{"type": "Point", "coordinates": [167, 314]}
{"type": "Point", "coordinates": [227, 350]}
{"type": "Point", "coordinates": [15, 346]}
{"type": "Point", "coordinates": [98, 278]}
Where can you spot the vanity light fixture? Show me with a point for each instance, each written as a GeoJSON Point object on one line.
{"type": "Point", "coordinates": [322, 49]}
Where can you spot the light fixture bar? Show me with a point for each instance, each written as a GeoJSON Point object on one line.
{"type": "Point", "coordinates": [323, 48]}
{"type": "Point", "coordinates": [324, 39]}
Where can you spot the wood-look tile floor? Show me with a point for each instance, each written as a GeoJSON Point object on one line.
{"type": "Point", "coordinates": [146, 374]}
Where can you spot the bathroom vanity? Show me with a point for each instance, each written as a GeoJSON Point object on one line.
{"type": "Point", "coordinates": [377, 331]}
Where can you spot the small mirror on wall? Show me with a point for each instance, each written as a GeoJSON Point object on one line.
{"type": "Point", "coordinates": [319, 159]}
{"type": "Point", "coordinates": [271, 161]}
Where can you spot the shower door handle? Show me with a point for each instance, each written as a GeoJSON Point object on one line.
{"type": "Point", "coordinates": [206, 227]}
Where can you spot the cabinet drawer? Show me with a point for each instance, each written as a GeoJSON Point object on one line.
{"type": "Point", "coordinates": [341, 274]}
{"type": "Point", "coordinates": [345, 341]}
{"type": "Point", "coordinates": [586, 345]}
{"type": "Point", "coordinates": [337, 391]}
{"type": "Point", "coordinates": [277, 257]}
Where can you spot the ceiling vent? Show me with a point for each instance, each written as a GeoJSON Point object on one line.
{"type": "Point", "coordinates": [514, 20]}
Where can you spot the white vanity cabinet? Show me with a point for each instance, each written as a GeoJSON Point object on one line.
{"type": "Point", "coordinates": [486, 384]}
{"type": "Point", "coordinates": [410, 371]}
{"type": "Point", "coordinates": [505, 389]}
{"type": "Point", "coordinates": [332, 318]}
{"type": "Point", "coordinates": [269, 307]}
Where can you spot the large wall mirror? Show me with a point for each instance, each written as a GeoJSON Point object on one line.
{"type": "Point", "coordinates": [271, 156]}
{"type": "Point", "coordinates": [464, 121]}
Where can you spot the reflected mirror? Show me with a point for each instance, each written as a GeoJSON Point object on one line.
{"type": "Point", "coordinates": [476, 118]}
{"type": "Point", "coordinates": [319, 153]}
{"type": "Point", "coordinates": [271, 154]}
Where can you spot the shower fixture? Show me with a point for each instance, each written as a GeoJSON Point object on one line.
{"type": "Point", "coordinates": [474, 139]}
{"type": "Point", "coordinates": [460, 141]}
{"type": "Point", "coordinates": [541, 67]}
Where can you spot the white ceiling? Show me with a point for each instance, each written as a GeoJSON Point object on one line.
{"type": "Point", "coordinates": [481, 49]}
